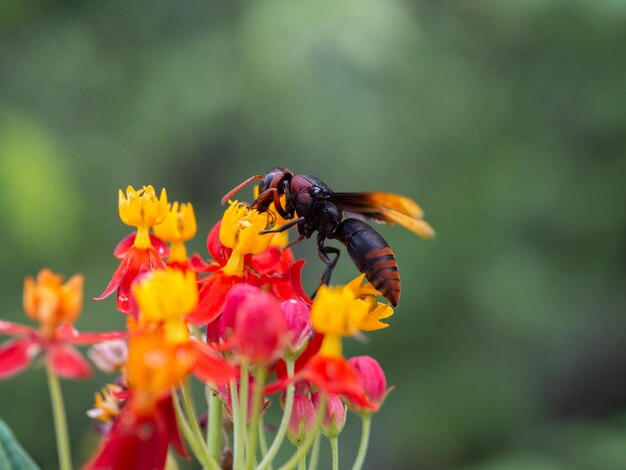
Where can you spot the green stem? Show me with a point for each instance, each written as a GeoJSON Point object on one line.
{"type": "Point", "coordinates": [234, 405]}
{"type": "Point", "coordinates": [190, 410]}
{"type": "Point", "coordinates": [197, 446]}
{"type": "Point", "coordinates": [302, 463]}
{"type": "Point", "coordinates": [284, 423]}
{"type": "Point", "coordinates": [366, 421]}
{"type": "Point", "coordinates": [306, 444]}
{"type": "Point", "coordinates": [262, 438]}
{"type": "Point", "coordinates": [170, 462]}
{"type": "Point", "coordinates": [240, 429]}
{"type": "Point", "coordinates": [315, 452]}
{"type": "Point", "coordinates": [60, 421]}
{"type": "Point", "coordinates": [259, 385]}
{"type": "Point", "coordinates": [334, 445]}
{"type": "Point", "coordinates": [214, 426]}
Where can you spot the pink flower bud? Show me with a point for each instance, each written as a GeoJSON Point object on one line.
{"type": "Point", "coordinates": [302, 416]}
{"type": "Point", "coordinates": [260, 328]}
{"type": "Point", "coordinates": [109, 356]}
{"type": "Point", "coordinates": [335, 416]}
{"type": "Point", "coordinates": [298, 320]}
{"type": "Point", "coordinates": [374, 380]}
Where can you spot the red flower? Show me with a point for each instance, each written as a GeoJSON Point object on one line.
{"type": "Point", "coordinates": [139, 252]}
{"type": "Point", "coordinates": [373, 377]}
{"type": "Point", "coordinates": [65, 360]}
{"type": "Point", "coordinates": [55, 305]}
{"type": "Point", "coordinates": [138, 440]}
{"type": "Point", "coordinates": [135, 262]}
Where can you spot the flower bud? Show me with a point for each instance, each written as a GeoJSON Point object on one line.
{"type": "Point", "coordinates": [298, 319]}
{"type": "Point", "coordinates": [373, 377]}
{"type": "Point", "coordinates": [260, 328]}
{"type": "Point", "coordinates": [109, 356]}
{"type": "Point", "coordinates": [335, 416]}
{"type": "Point", "coordinates": [302, 416]}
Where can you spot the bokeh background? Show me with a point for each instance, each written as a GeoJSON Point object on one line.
{"type": "Point", "coordinates": [506, 120]}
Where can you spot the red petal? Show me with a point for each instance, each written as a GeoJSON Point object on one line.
{"type": "Point", "coordinates": [200, 266]}
{"type": "Point", "coordinates": [268, 262]}
{"type": "Point", "coordinates": [168, 416]}
{"type": "Point", "coordinates": [212, 297]}
{"type": "Point", "coordinates": [210, 368]}
{"type": "Point", "coordinates": [10, 328]}
{"type": "Point", "coordinates": [67, 362]}
{"type": "Point", "coordinates": [127, 243]}
{"type": "Point", "coordinates": [141, 261]}
{"type": "Point", "coordinates": [135, 442]}
{"type": "Point", "coordinates": [16, 355]}
{"type": "Point", "coordinates": [295, 275]}
{"type": "Point", "coordinates": [66, 333]}
{"type": "Point", "coordinates": [117, 278]}
{"type": "Point", "coordinates": [217, 250]}
{"type": "Point", "coordinates": [335, 375]}
{"type": "Point", "coordinates": [124, 245]}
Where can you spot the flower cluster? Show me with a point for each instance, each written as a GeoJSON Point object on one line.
{"type": "Point", "coordinates": [240, 323]}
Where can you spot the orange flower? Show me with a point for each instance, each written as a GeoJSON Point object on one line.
{"type": "Point", "coordinates": [56, 306]}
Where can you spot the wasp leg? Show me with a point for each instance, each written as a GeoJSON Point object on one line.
{"type": "Point", "coordinates": [272, 193]}
{"type": "Point", "coordinates": [287, 226]}
{"type": "Point", "coordinates": [323, 252]}
{"type": "Point", "coordinates": [295, 242]}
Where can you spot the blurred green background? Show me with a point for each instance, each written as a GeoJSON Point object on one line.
{"type": "Point", "coordinates": [506, 120]}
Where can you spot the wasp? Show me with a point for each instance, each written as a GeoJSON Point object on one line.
{"type": "Point", "coordinates": [314, 207]}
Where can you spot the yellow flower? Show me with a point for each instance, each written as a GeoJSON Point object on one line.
{"type": "Point", "coordinates": [142, 209]}
{"type": "Point", "coordinates": [167, 296]}
{"type": "Point", "coordinates": [377, 310]}
{"type": "Point", "coordinates": [50, 302]}
{"type": "Point", "coordinates": [240, 230]}
{"type": "Point", "coordinates": [337, 312]}
{"type": "Point", "coordinates": [106, 407]}
{"type": "Point", "coordinates": [281, 239]}
{"type": "Point", "coordinates": [178, 227]}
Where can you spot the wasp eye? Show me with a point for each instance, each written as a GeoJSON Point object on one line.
{"type": "Point", "coordinates": [267, 181]}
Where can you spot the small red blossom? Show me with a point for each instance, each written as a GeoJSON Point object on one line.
{"type": "Point", "coordinates": [140, 441]}
{"type": "Point", "coordinates": [335, 416]}
{"type": "Point", "coordinates": [16, 355]}
{"type": "Point", "coordinates": [136, 262]}
{"type": "Point", "coordinates": [303, 414]}
{"type": "Point", "coordinates": [373, 378]}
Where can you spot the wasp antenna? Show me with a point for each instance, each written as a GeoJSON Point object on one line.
{"type": "Point", "coordinates": [239, 187]}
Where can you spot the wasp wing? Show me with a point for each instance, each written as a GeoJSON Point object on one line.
{"type": "Point", "coordinates": [387, 208]}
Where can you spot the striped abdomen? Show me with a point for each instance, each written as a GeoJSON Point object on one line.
{"type": "Point", "coordinates": [372, 256]}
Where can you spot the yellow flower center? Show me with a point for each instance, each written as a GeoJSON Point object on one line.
{"type": "Point", "coordinates": [142, 209]}
{"type": "Point", "coordinates": [240, 230]}
{"type": "Point", "coordinates": [178, 227]}
{"type": "Point", "coordinates": [167, 296]}
{"type": "Point", "coordinates": [337, 312]}
{"type": "Point", "coordinates": [106, 406]}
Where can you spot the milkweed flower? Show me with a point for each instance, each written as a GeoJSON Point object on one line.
{"type": "Point", "coordinates": [55, 305]}
{"type": "Point", "coordinates": [377, 311]}
{"type": "Point", "coordinates": [143, 210]}
{"type": "Point", "coordinates": [161, 354]}
{"type": "Point", "coordinates": [240, 232]}
{"type": "Point", "coordinates": [178, 227]}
